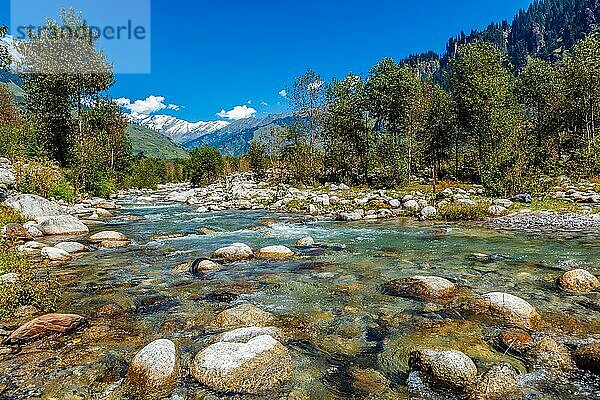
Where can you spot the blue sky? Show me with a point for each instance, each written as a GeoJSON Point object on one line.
{"type": "Point", "coordinates": [208, 56]}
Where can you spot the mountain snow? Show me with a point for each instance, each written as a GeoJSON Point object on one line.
{"type": "Point", "coordinates": [179, 130]}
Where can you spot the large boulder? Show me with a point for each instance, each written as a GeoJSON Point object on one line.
{"type": "Point", "coordinates": [234, 252]}
{"type": "Point", "coordinates": [155, 369]}
{"type": "Point", "coordinates": [511, 309]}
{"type": "Point", "coordinates": [45, 325]}
{"type": "Point", "coordinates": [32, 206]}
{"type": "Point", "coordinates": [424, 287]}
{"type": "Point", "coordinates": [55, 254]}
{"type": "Point", "coordinates": [578, 281]}
{"type": "Point", "coordinates": [258, 365]}
{"type": "Point", "coordinates": [446, 368]}
{"type": "Point", "coordinates": [244, 315]}
{"type": "Point", "coordinates": [275, 253]}
{"type": "Point", "coordinates": [588, 357]}
{"type": "Point", "coordinates": [61, 225]}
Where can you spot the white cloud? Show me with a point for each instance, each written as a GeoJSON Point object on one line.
{"type": "Point", "coordinates": [283, 93]}
{"type": "Point", "coordinates": [238, 112]}
{"type": "Point", "coordinates": [148, 106]}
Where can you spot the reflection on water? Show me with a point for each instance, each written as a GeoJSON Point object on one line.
{"type": "Point", "coordinates": [330, 298]}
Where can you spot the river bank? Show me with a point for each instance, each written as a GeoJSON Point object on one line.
{"type": "Point", "coordinates": [367, 309]}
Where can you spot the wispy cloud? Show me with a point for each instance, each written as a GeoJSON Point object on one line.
{"type": "Point", "coordinates": [283, 93]}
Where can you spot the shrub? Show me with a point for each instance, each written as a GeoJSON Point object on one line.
{"type": "Point", "coordinates": [37, 177]}
{"type": "Point", "coordinates": [205, 165]}
{"type": "Point", "coordinates": [8, 215]}
{"type": "Point", "coordinates": [30, 289]}
{"type": "Point", "coordinates": [459, 212]}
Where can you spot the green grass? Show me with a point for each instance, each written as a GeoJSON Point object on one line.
{"type": "Point", "coordinates": [546, 204]}
{"type": "Point", "coordinates": [154, 144]}
{"type": "Point", "coordinates": [456, 212]}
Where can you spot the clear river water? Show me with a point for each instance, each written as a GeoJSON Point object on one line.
{"type": "Point", "coordinates": [330, 298]}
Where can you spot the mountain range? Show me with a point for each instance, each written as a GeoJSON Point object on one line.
{"type": "Point", "coordinates": [178, 130]}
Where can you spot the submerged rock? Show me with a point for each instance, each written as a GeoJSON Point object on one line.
{"type": "Point", "coordinates": [498, 383]}
{"type": "Point", "coordinates": [588, 357]}
{"type": "Point", "coordinates": [155, 369]}
{"type": "Point", "coordinates": [45, 325]}
{"type": "Point", "coordinates": [515, 340]}
{"type": "Point", "coordinates": [447, 368]}
{"type": "Point", "coordinates": [256, 366]}
{"type": "Point", "coordinates": [578, 281]}
{"type": "Point", "coordinates": [424, 287]}
{"type": "Point", "coordinates": [234, 252]}
{"type": "Point", "coordinates": [61, 225]}
{"type": "Point", "coordinates": [274, 252]}
{"type": "Point", "coordinates": [244, 315]}
{"type": "Point", "coordinates": [511, 309]}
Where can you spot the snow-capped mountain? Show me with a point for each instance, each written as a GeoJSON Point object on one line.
{"type": "Point", "coordinates": [179, 130]}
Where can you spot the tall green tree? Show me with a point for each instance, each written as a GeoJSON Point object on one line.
{"type": "Point", "coordinates": [488, 113]}
{"type": "Point", "coordinates": [395, 101]}
{"type": "Point", "coordinates": [440, 128]}
{"type": "Point", "coordinates": [347, 136]}
{"type": "Point", "coordinates": [205, 165]}
{"type": "Point", "coordinates": [63, 73]}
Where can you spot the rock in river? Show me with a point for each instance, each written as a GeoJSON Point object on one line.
{"type": "Point", "coordinates": [110, 239]}
{"type": "Point", "coordinates": [497, 383]}
{"type": "Point", "coordinates": [255, 366]}
{"type": "Point", "coordinates": [448, 368]}
{"type": "Point", "coordinates": [275, 252]}
{"type": "Point", "coordinates": [588, 357]}
{"type": "Point", "coordinates": [425, 287]}
{"type": "Point", "coordinates": [45, 325]}
{"type": "Point", "coordinates": [550, 355]}
{"type": "Point", "coordinates": [55, 254]}
{"type": "Point", "coordinates": [71, 247]}
{"type": "Point", "coordinates": [511, 309]}
{"type": "Point", "coordinates": [155, 368]}
{"type": "Point", "coordinates": [244, 315]}
{"type": "Point", "coordinates": [305, 242]}
{"type": "Point", "coordinates": [578, 281]}
{"type": "Point", "coordinates": [61, 225]}
{"type": "Point", "coordinates": [234, 252]}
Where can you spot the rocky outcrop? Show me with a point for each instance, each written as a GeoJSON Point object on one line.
{"type": "Point", "coordinates": [45, 325]}
{"type": "Point", "coordinates": [244, 315]}
{"type": "Point", "coordinates": [447, 368]}
{"type": "Point", "coordinates": [155, 369]}
{"type": "Point", "coordinates": [61, 225]}
{"type": "Point", "coordinates": [258, 365]}
{"type": "Point", "coordinates": [578, 281]}
{"type": "Point", "coordinates": [274, 253]}
{"type": "Point", "coordinates": [234, 252]}
{"type": "Point", "coordinates": [423, 287]}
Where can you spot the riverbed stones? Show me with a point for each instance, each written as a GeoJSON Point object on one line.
{"type": "Point", "coordinates": [588, 357]}
{"type": "Point", "coordinates": [56, 254]}
{"type": "Point", "coordinates": [511, 309]}
{"type": "Point", "coordinates": [243, 335]}
{"type": "Point", "coordinates": [243, 315]}
{"type": "Point", "coordinates": [61, 225]}
{"type": "Point", "coordinates": [44, 326]}
{"type": "Point", "coordinates": [32, 207]}
{"type": "Point", "coordinates": [307, 241]}
{"type": "Point", "coordinates": [496, 210]}
{"type": "Point", "coordinates": [447, 368]}
{"type": "Point", "coordinates": [275, 253]}
{"type": "Point", "coordinates": [33, 229]}
{"type": "Point", "coordinates": [234, 252]}
{"type": "Point", "coordinates": [155, 369]}
{"type": "Point", "coordinates": [258, 365]}
{"type": "Point", "coordinates": [423, 287]}
{"type": "Point", "coordinates": [498, 383]}
{"type": "Point", "coordinates": [515, 339]}
{"type": "Point", "coordinates": [578, 281]}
